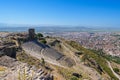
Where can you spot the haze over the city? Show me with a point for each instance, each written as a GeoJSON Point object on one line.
{"type": "Point", "coordinates": [90, 13]}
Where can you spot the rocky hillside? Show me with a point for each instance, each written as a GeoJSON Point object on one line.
{"type": "Point", "coordinates": [11, 69]}
{"type": "Point", "coordinates": [89, 64]}
{"type": "Point", "coordinates": [87, 60]}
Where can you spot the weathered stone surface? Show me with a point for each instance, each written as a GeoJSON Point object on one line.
{"type": "Point", "coordinates": [53, 54]}
{"type": "Point", "coordinates": [8, 50]}
{"type": "Point", "coordinates": [16, 70]}
{"type": "Point", "coordinates": [50, 55]}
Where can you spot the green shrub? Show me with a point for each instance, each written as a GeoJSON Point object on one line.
{"type": "Point", "coordinates": [74, 78]}
{"type": "Point", "coordinates": [116, 70]}
{"type": "Point", "coordinates": [91, 54]}
{"type": "Point", "coordinates": [43, 41]}
{"type": "Point", "coordinates": [39, 35]}
{"type": "Point", "coordinates": [43, 61]}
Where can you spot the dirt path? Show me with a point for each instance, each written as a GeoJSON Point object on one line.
{"type": "Point", "coordinates": [90, 71]}
{"type": "Point", "coordinates": [113, 70]}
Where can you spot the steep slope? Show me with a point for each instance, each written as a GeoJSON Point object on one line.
{"type": "Point", "coordinates": [86, 72]}
{"type": "Point", "coordinates": [11, 69]}
{"type": "Point", "coordinates": [94, 59]}
{"type": "Point", "coordinates": [113, 70]}
{"type": "Point", "coordinates": [87, 61]}
{"type": "Point", "coordinates": [88, 64]}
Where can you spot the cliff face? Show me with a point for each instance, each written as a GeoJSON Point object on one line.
{"type": "Point", "coordinates": [9, 51]}
{"type": "Point", "coordinates": [50, 55]}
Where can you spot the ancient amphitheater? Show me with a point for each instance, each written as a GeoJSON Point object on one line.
{"type": "Point", "coordinates": [39, 50]}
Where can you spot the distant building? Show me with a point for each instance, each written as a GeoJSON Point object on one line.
{"type": "Point", "coordinates": [31, 34]}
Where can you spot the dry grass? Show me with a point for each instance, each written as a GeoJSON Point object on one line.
{"type": "Point", "coordinates": [2, 68]}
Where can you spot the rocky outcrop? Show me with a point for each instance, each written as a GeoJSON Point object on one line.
{"type": "Point", "coordinates": [9, 51]}
{"type": "Point", "coordinates": [16, 70]}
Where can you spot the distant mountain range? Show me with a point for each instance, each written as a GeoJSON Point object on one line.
{"type": "Point", "coordinates": [57, 28]}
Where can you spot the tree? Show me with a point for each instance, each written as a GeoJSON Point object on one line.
{"type": "Point", "coordinates": [74, 78]}
{"type": "Point", "coordinates": [39, 35]}
{"type": "Point", "coordinates": [43, 41]}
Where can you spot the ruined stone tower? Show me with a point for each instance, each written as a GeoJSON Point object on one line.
{"type": "Point", "coordinates": [31, 34]}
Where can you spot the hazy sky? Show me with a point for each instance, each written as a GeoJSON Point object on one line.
{"type": "Point", "coordinates": [61, 12]}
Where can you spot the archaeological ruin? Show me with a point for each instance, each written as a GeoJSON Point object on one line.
{"type": "Point", "coordinates": [39, 50]}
